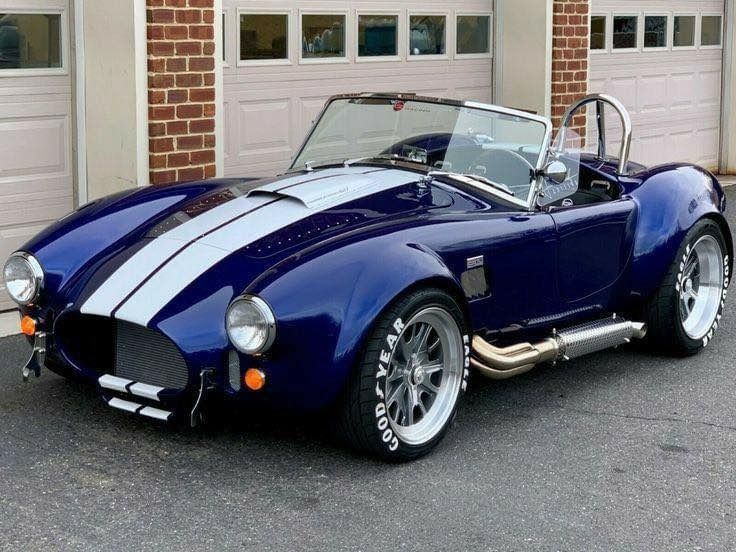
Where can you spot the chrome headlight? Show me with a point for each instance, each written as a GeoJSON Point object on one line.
{"type": "Point", "coordinates": [251, 325]}
{"type": "Point", "coordinates": [23, 277]}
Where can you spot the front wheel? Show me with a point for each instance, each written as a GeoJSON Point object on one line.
{"type": "Point", "coordinates": [405, 392]}
{"type": "Point", "coordinates": [687, 309]}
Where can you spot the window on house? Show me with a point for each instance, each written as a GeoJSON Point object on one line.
{"type": "Point", "coordinates": [598, 32]}
{"type": "Point", "coordinates": [711, 29]}
{"type": "Point", "coordinates": [625, 28]}
{"type": "Point", "coordinates": [264, 36]}
{"type": "Point", "coordinates": [427, 35]}
{"type": "Point", "coordinates": [378, 35]}
{"type": "Point", "coordinates": [683, 29]}
{"type": "Point", "coordinates": [323, 36]}
{"type": "Point", "coordinates": [655, 31]}
{"type": "Point", "coordinates": [473, 34]}
{"type": "Point", "coordinates": [30, 41]}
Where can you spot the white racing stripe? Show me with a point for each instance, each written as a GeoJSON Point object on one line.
{"type": "Point", "coordinates": [133, 272]}
{"type": "Point", "coordinates": [196, 259]}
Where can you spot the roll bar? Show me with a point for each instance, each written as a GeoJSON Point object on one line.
{"type": "Point", "coordinates": [600, 100]}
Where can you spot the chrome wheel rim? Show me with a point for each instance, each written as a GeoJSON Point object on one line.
{"type": "Point", "coordinates": [701, 287]}
{"type": "Point", "coordinates": [424, 376]}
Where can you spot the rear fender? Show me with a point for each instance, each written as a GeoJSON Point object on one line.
{"type": "Point", "coordinates": [672, 199]}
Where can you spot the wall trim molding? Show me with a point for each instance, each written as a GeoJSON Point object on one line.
{"type": "Point", "coordinates": [80, 101]}
{"type": "Point", "coordinates": [141, 95]}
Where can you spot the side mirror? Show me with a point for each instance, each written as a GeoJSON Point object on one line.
{"type": "Point", "coordinates": [555, 171]}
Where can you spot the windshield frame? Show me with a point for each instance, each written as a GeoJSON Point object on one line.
{"type": "Point", "coordinates": [529, 202]}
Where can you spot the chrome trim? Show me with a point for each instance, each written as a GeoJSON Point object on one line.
{"type": "Point", "coordinates": [146, 391]}
{"type": "Point", "coordinates": [268, 315]}
{"type": "Point", "coordinates": [37, 359]}
{"type": "Point", "coordinates": [37, 271]}
{"type": "Point", "coordinates": [127, 406]}
{"type": "Point", "coordinates": [529, 203]}
{"type": "Point", "coordinates": [156, 413]}
{"type": "Point", "coordinates": [600, 100]}
{"type": "Point", "coordinates": [114, 383]}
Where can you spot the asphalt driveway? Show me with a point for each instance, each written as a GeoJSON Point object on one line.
{"type": "Point", "coordinates": [618, 451]}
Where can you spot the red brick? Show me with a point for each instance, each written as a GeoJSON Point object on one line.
{"type": "Point", "coordinates": [177, 160]}
{"type": "Point", "coordinates": [202, 125]}
{"type": "Point", "coordinates": [189, 142]}
{"type": "Point", "coordinates": [161, 113]}
{"type": "Point", "coordinates": [177, 128]}
{"type": "Point", "coordinates": [191, 173]}
{"type": "Point", "coordinates": [209, 79]}
{"type": "Point", "coordinates": [157, 161]}
{"type": "Point", "coordinates": [156, 129]}
{"type": "Point", "coordinates": [177, 96]}
{"type": "Point", "coordinates": [176, 64]}
{"type": "Point", "coordinates": [189, 111]}
{"type": "Point", "coordinates": [201, 3]}
{"type": "Point", "coordinates": [208, 48]}
{"type": "Point", "coordinates": [161, 48]}
{"type": "Point", "coordinates": [202, 63]}
{"type": "Point", "coordinates": [202, 32]}
{"type": "Point", "coordinates": [190, 48]}
{"type": "Point", "coordinates": [188, 16]}
{"type": "Point", "coordinates": [210, 171]}
{"type": "Point", "coordinates": [156, 96]}
{"type": "Point", "coordinates": [176, 32]}
{"type": "Point", "coordinates": [162, 145]}
{"type": "Point", "coordinates": [156, 65]}
{"type": "Point", "coordinates": [203, 157]}
{"type": "Point", "coordinates": [164, 80]}
{"type": "Point", "coordinates": [209, 141]}
{"type": "Point", "coordinates": [208, 16]}
{"type": "Point", "coordinates": [188, 80]}
{"type": "Point", "coordinates": [155, 32]}
{"type": "Point", "coordinates": [160, 16]}
{"type": "Point", "coordinates": [163, 177]}
{"type": "Point", "coordinates": [202, 94]}
{"type": "Point", "coordinates": [209, 110]}
{"type": "Point", "coordinates": [177, 3]}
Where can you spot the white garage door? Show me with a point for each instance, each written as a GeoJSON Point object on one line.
{"type": "Point", "coordinates": [663, 59]}
{"type": "Point", "coordinates": [35, 121]}
{"type": "Point", "coordinates": [284, 59]}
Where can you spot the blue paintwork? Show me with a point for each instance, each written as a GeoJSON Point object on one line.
{"type": "Point", "coordinates": [545, 268]}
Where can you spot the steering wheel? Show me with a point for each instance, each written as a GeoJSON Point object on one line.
{"type": "Point", "coordinates": [507, 167]}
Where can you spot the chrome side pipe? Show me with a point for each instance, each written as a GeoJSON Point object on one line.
{"type": "Point", "coordinates": [503, 363]}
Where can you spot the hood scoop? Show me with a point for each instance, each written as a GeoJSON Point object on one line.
{"type": "Point", "coordinates": [317, 193]}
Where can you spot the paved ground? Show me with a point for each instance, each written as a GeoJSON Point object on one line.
{"type": "Point", "coordinates": [620, 451]}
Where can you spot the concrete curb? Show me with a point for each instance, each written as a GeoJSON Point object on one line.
{"type": "Point", "coordinates": [9, 323]}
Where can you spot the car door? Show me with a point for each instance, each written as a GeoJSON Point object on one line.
{"type": "Point", "coordinates": [594, 245]}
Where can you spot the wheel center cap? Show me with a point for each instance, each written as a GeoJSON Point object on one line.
{"type": "Point", "coordinates": [688, 285]}
{"type": "Point", "coordinates": [418, 375]}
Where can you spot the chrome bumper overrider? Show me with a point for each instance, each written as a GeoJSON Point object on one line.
{"type": "Point", "coordinates": [37, 359]}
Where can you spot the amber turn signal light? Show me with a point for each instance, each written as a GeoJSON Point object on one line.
{"type": "Point", "coordinates": [254, 379]}
{"type": "Point", "coordinates": [28, 326]}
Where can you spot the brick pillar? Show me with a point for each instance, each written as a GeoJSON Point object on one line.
{"type": "Point", "coordinates": [181, 90]}
{"type": "Point", "coordinates": [570, 44]}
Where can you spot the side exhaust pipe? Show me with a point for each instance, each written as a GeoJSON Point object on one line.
{"type": "Point", "coordinates": [503, 363]}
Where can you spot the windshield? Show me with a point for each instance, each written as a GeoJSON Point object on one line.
{"type": "Point", "coordinates": [500, 147]}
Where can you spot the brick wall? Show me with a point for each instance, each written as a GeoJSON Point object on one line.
{"type": "Point", "coordinates": [181, 95]}
{"type": "Point", "coordinates": [570, 36]}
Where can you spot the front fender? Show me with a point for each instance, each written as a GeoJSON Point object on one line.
{"type": "Point", "coordinates": [326, 306]}
{"type": "Point", "coordinates": [672, 199]}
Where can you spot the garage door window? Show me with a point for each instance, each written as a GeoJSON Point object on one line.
{"type": "Point", "coordinates": [378, 35]}
{"type": "Point", "coordinates": [683, 31]}
{"type": "Point", "coordinates": [264, 36]}
{"type": "Point", "coordinates": [598, 32]}
{"type": "Point", "coordinates": [30, 41]}
{"type": "Point", "coordinates": [655, 31]}
{"type": "Point", "coordinates": [711, 30]}
{"type": "Point", "coordinates": [427, 34]}
{"type": "Point", "coordinates": [473, 34]}
{"type": "Point", "coordinates": [625, 28]}
{"type": "Point", "coordinates": [323, 36]}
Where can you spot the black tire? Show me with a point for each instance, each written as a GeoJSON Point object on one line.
{"type": "Point", "coordinates": [666, 332]}
{"type": "Point", "coordinates": [363, 420]}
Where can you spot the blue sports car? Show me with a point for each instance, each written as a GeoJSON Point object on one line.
{"type": "Point", "coordinates": [413, 241]}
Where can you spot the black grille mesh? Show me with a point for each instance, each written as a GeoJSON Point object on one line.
{"type": "Point", "coordinates": [148, 357]}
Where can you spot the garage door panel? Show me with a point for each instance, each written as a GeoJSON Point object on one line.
{"type": "Point", "coordinates": [259, 151]}
{"type": "Point", "coordinates": [264, 126]}
{"type": "Point", "coordinates": [46, 137]}
{"type": "Point", "coordinates": [676, 116]}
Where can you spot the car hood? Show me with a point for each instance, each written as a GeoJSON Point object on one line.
{"type": "Point", "coordinates": [131, 256]}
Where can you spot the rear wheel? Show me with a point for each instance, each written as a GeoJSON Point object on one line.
{"type": "Point", "coordinates": [404, 395]}
{"type": "Point", "coordinates": [686, 311]}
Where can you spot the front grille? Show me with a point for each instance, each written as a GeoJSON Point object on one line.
{"type": "Point", "coordinates": [147, 356]}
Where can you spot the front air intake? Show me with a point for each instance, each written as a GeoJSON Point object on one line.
{"type": "Point", "coordinates": [146, 356]}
